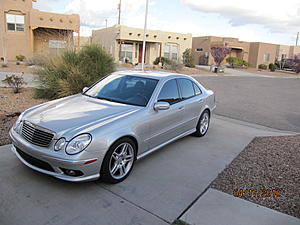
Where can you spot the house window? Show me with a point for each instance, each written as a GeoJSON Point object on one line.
{"type": "Point", "coordinates": [199, 49]}
{"type": "Point", "coordinates": [171, 51]}
{"type": "Point", "coordinates": [266, 57]}
{"type": "Point", "coordinates": [126, 52]}
{"type": "Point", "coordinates": [15, 22]}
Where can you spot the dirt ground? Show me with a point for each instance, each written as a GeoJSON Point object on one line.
{"type": "Point", "coordinates": [266, 172]}
{"type": "Point", "coordinates": [184, 70]}
{"type": "Point", "coordinates": [13, 68]}
{"type": "Point", "coordinates": [11, 105]}
{"type": "Point", "coordinates": [268, 72]}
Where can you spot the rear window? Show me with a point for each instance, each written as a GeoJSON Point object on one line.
{"type": "Point", "coordinates": [186, 88]}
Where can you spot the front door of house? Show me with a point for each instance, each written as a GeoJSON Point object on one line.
{"type": "Point", "coordinates": [140, 52]}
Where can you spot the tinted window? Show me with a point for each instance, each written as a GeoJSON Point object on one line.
{"type": "Point", "coordinates": [169, 92]}
{"type": "Point", "coordinates": [186, 88]}
{"type": "Point", "coordinates": [126, 89]}
{"type": "Point", "coordinates": [197, 89]}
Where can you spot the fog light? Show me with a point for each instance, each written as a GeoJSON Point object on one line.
{"type": "Point", "coordinates": [73, 173]}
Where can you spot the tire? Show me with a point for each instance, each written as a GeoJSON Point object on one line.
{"type": "Point", "coordinates": [203, 124]}
{"type": "Point", "coordinates": [118, 161]}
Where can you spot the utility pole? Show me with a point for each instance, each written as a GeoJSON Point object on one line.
{"type": "Point", "coordinates": [119, 18]}
{"type": "Point", "coordinates": [105, 23]}
{"type": "Point", "coordinates": [144, 38]}
{"type": "Point", "coordinates": [297, 38]}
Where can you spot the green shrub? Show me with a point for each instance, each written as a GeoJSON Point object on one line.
{"type": "Point", "coordinates": [70, 72]}
{"type": "Point", "coordinates": [14, 81]}
{"type": "Point", "coordinates": [173, 65]}
{"type": "Point", "coordinates": [20, 58]}
{"type": "Point", "coordinates": [237, 62]}
{"type": "Point", "coordinates": [246, 64]}
{"type": "Point", "coordinates": [161, 60]}
{"type": "Point", "coordinates": [262, 67]}
{"type": "Point", "coordinates": [188, 58]}
{"type": "Point", "coordinates": [272, 67]}
{"type": "Point", "coordinates": [231, 61]}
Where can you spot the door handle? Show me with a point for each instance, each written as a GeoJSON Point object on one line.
{"type": "Point", "coordinates": [200, 101]}
{"type": "Point", "coordinates": [181, 107]}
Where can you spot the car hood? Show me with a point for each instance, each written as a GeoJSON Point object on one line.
{"type": "Point", "coordinates": [77, 112]}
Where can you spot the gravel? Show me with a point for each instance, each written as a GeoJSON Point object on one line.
{"type": "Point", "coordinates": [10, 106]}
{"type": "Point", "coordinates": [267, 163]}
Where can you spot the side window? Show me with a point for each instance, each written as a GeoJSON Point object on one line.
{"type": "Point", "coordinates": [197, 89]}
{"type": "Point", "coordinates": [186, 88]}
{"type": "Point", "coordinates": [169, 93]}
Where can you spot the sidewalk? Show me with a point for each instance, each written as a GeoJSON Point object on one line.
{"type": "Point", "coordinates": [218, 208]}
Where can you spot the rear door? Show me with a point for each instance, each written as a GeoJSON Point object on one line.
{"type": "Point", "coordinates": [192, 101]}
{"type": "Point", "coordinates": [166, 124]}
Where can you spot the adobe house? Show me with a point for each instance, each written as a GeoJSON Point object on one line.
{"type": "Point", "coordinates": [126, 43]}
{"type": "Point", "coordinates": [27, 31]}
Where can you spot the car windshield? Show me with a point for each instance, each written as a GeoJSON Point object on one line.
{"type": "Point", "coordinates": [127, 89]}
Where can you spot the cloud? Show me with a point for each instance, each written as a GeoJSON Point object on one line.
{"type": "Point", "coordinates": [279, 17]}
{"type": "Point", "coordinates": [93, 13]}
{"type": "Point", "coordinates": [44, 5]}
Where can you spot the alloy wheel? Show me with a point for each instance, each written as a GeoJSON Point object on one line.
{"type": "Point", "coordinates": [121, 160]}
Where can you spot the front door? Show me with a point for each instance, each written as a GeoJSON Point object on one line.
{"type": "Point", "coordinates": [166, 124]}
{"type": "Point", "coordinates": [140, 52]}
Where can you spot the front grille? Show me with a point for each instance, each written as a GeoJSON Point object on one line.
{"type": "Point", "coordinates": [34, 161]}
{"type": "Point", "coordinates": [36, 135]}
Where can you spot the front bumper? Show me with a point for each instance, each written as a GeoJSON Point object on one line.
{"type": "Point", "coordinates": [58, 164]}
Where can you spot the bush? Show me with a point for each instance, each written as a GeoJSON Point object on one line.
{"type": "Point", "coordinates": [14, 81]}
{"type": "Point", "coordinates": [272, 67]}
{"type": "Point", "coordinates": [188, 58]}
{"type": "Point", "coordinates": [20, 57]}
{"type": "Point", "coordinates": [262, 67]}
{"type": "Point", "coordinates": [173, 65]}
{"type": "Point", "coordinates": [70, 72]}
{"type": "Point", "coordinates": [161, 60]}
{"type": "Point", "coordinates": [237, 62]}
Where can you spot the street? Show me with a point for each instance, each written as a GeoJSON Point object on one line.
{"type": "Point", "coordinates": [271, 102]}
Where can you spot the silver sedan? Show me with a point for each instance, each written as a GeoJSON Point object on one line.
{"type": "Point", "coordinates": [105, 129]}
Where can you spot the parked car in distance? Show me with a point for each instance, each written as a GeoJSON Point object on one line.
{"type": "Point", "coordinates": [102, 131]}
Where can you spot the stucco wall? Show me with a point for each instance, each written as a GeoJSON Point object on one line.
{"type": "Point", "coordinates": [14, 43]}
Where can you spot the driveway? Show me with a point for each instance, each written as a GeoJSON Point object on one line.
{"type": "Point", "coordinates": [158, 191]}
{"type": "Point", "coordinates": [269, 101]}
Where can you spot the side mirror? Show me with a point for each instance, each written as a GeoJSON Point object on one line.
{"type": "Point", "coordinates": [84, 89]}
{"type": "Point", "coordinates": [161, 106]}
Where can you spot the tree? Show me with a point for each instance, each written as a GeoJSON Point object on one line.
{"type": "Point", "coordinates": [294, 63]}
{"type": "Point", "coordinates": [219, 54]}
{"type": "Point", "coordinates": [188, 58]}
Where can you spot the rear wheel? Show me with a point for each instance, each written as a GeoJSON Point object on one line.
{"type": "Point", "coordinates": [118, 161]}
{"type": "Point", "coordinates": [203, 124]}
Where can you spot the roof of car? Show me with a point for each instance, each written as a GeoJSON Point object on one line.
{"type": "Point", "coordinates": [151, 74]}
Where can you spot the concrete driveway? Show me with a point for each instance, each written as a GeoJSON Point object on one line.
{"type": "Point", "coordinates": [158, 191]}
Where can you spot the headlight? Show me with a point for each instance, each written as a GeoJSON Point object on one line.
{"type": "Point", "coordinates": [17, 124]}
{"type": "Point", "coordinates": [78, 144]}
{"type": "Point", "coordinates": [60, 144]}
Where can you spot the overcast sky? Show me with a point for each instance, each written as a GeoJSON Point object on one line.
{"type": "Point", "coordinates": [255, 20]}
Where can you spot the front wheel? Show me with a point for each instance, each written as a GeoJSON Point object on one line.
{"type": "Point", "coordinates": [203, 124]}
{"type": "Point", "coordinates": [118, 161]}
